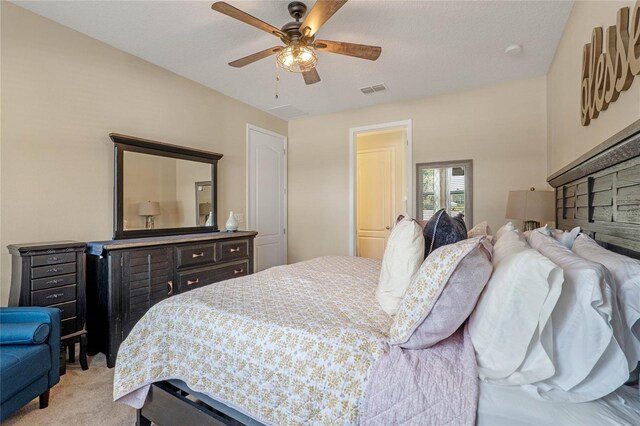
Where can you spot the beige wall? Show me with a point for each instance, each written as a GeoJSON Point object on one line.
{"type": "Point", "coordinates": [567, 138]}
{"type": "Point", "coordinates": [62, 93]}
{"type": "Point", "coordinates": [501, 128]}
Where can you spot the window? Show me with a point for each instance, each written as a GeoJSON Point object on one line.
{"type": "Point", "coordinates": [445, 185]}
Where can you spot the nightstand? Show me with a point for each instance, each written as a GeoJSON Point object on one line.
{"type": "Point", "coordinates": [52, 274]}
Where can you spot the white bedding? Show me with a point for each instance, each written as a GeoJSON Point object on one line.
{"type": "Point", "coordinates": [512, 406]}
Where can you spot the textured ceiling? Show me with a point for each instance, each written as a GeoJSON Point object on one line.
{"type": "Point", "coordinates": [428, 47]}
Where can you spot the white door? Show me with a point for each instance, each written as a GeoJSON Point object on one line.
{"type": "Point", "coordinates": [267, 196]}
{"type": "Point", "coordinates": [375, 201]}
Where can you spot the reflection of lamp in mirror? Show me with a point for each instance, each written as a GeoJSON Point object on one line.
{"type": "Point", "coordinates": [531, 207]}
{"type": "Point", "coordinates": [149, 209]}
{"type": "Point", "coordinates": [204, 209]}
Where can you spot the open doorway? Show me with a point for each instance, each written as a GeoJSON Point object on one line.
{"type": "Point", "coordinates": [381, 184]}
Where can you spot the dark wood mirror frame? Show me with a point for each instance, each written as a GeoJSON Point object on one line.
{"type": "Point", "coordinates": [124, 143]}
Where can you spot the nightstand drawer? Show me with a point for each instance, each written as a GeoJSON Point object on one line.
{"type": "Point", "coordinates": [195, 254]}
{"type": "Point", "coordinates": [52, 270]}
{"type": "Point", "coordinates": [68, 326]}
{"type": "Point", "coordinates": [53, 259]}
{"type": "Point", "coordinates": [67, 310]}
{"type": "Point", "coordinates": [231, 250]}
{"type": "Point", "coordinates": [53, 296]}
{"type": "Point", "coordinates": [57, 281]}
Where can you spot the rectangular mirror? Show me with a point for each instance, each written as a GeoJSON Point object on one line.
{"type": "Point", "coordinates": [154, 189]}
{"type": "Point", "coordinates": [447, 185]}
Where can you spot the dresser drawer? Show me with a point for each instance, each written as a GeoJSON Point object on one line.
{"type": "Point", "coordinates": [57, 281]}
{"type": "Point", "coordinates": [194, 278]}
{"type": "Point", "coordinates": [53, 259]}
{"type": "Point", "coordinates": [195, 254]}
{"type": "Point", "coordinates": [67, 310]}
{"type": "Point", "coordinates": [53, 296]}
{"type": "Point", "coordinates": [52, 270]}
{"type": "Point", "coordinates": [231, 250]}
{"type": "Point", "coordinates": [69, 326]}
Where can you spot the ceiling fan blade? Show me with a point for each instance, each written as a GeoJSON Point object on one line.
{"type": "Point", "coordinates": [233, 12]}
{"type": "Point", "coordinates": [311, 76]}
{"type": "Point", "coordinates": [350, 49]}
{"type": "Point", "coordinates": [239, 63]}
{"type": "Point", "coordinates": [319, 14]}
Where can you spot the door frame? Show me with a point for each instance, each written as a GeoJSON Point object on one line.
{"type": "Point", "coordinates": [407, 126]}
{"type": "Point", "coordinates": [285, 194]}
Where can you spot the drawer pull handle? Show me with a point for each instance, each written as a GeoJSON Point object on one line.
{"type": "Point", "coordinates": [54, 281]}
{"type": "Point", "coordinates": [54, 270]}
{"type": "Point", "coordinates": [53, 259]}
{"type": "Point", "coordinates": [170, 285]}
{"type": "Point", "coordinates": [238, 271]}
{"type": "Point", "coordinates": [54, 296]}
{"type": "Point", "coordinates": [196, 281]}
{"type": "Point", "coordinates": [194, 255]}
{"type": "Point", "coordinates": [234, 249]}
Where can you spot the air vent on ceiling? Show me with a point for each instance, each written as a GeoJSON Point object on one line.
{"type": "Point", "coordinates": [287, 112]}
{"type": "Point", "coordinates": [373, 89]}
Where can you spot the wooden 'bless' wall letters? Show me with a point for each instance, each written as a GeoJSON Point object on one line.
{"type": "Point", "coordinates": [607, 73]}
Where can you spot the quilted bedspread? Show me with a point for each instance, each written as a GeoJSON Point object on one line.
{"type": "Point", "coordinates": [298, 344]}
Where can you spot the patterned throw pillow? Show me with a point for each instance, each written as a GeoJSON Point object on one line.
{"type": "Point", "coordinates": [479, 230]}
{"type": "Point", "coordinates": [443, 294]}
{"type": "Point", "coordinates": [443, 229]}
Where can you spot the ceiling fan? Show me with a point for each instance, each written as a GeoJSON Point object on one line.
{"type": "Point", "coordinates": [298, 54]}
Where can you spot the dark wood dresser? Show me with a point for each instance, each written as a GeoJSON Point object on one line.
{"type": "Point", "coordinates": [52, 274]}
{"type": "Point", "coordinates": [127, 277]}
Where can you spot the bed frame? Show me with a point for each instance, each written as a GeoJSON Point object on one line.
{"type": "Point", "coordinates": [600, 192]}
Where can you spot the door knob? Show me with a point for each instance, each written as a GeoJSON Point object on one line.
{"type": "Point", "coordinates": [386, 227]}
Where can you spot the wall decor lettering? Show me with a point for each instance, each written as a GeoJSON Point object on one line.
{"type": "Point", "coordinates": [609, 70]}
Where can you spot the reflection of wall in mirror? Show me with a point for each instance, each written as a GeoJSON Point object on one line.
{"type": "Point", "coordinates": [187, 174]}
{"type": "Point", "coordinates": [168, 181]}
{"type": "Point", "coordinates": [149, 178]}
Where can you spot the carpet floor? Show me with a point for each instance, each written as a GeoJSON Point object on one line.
{"type": "Point", "coordinates": [81, 398]}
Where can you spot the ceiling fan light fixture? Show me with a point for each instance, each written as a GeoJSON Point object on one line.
{"type": "Point", "coordinates": [297, 58]}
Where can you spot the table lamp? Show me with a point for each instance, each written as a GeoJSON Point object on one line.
{"type": "Point", "coordinates": [149, 209]}
{"type": "Point", "coordinates": [531, 207]}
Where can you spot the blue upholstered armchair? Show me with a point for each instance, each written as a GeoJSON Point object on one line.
{"type": "Point", "coordinates": [29, 356]}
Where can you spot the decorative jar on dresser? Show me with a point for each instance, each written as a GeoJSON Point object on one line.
{"type": "Point", "coordinates": [52, 274]}
{"type": "Point", "coordinates": [127, 277]}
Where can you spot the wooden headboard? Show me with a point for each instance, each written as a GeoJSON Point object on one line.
{"type": "Point", "coordinates": [600, 193]}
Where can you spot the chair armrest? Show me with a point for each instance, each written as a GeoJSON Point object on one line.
{"type": "Point", "coordinates": [50, 316]}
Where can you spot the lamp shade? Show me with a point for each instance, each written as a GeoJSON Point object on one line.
{"type": "Point", "coordinates": [204, 208]}
{"type": "Point", "coordinates": [531, 205]}
{"type": "Point", "coordinates": [149, 208]}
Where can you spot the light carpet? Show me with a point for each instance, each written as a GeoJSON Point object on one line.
{"type": "Point", "coordinates": [81, 398]}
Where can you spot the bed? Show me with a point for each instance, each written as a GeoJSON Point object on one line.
{"type": "Point", "coordinates": [324, 358]}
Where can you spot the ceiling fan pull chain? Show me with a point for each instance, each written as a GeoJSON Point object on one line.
{"type": "Point", "coordinates": [277, 80]}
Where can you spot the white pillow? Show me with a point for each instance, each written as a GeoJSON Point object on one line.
{"type": "Point", "coordinates": [506, 227]}
{"type": "Point", "coordinates": [589, 361]}
{"type": "Point", "coordinates": [544, 230]}
{"type": "Point", "coordinates": [626, 276]}
{"type": "Point", "coordinates": [511, 326]}
{"type": "Point", "coordinates": [402, 259]}
{"type": "Point", "coordinates": [510, 242]}
{"type": "Point", "coordinates": [566, 238]}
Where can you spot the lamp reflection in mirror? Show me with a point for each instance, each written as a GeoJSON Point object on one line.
{"type": "Point", "coordinates": [149, 209]}
{"type": "Point", "coordinates": [204, 209]}
{"type": "Point", "coordinates": [531, 207]}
